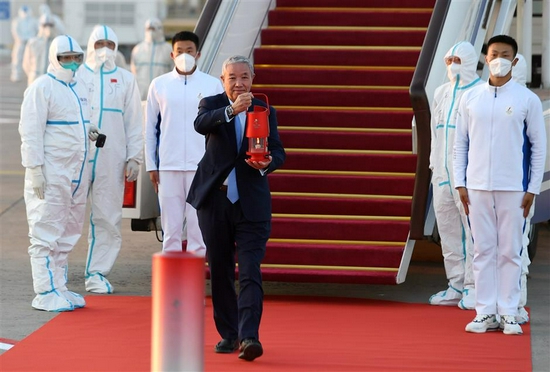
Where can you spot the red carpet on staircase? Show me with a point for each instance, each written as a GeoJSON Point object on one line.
{"type": "Point", "coordinates": [338, 73]}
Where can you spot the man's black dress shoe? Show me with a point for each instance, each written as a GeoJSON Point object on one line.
{"type": "Point", "coordinates": [226, 346]}
{"type": "Point", "coordinates": [250, 349]}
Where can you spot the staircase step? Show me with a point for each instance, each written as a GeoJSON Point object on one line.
{"type": "Point", "coordinates": [334, 55]}
{"type": "Point", "coordinates": [353, 76]}
{"type": "Point", "coordinates": [357, 3]}
{"type": "Point", "coordinates": [343, 97]}
{"type": "Point", "coordinates": [334, 205]}
{"type": "Point", "coordinates": [311, 275]}
{"type": "Point", "coordinates": [351, 117]}
{"type": "Point", "coordinates": [316, 16]}
{"type": "Point", "coordinates": [341, 202]}
{"type": "Point", "coordinates": [345, 161]}
{"type": "Point", "coordinates": [398, 185]}
{"type": "Point", "coordinates": [339, 229]}
{"type": "Point", "coordinates": [348, 140]}
{"type": "Point", "coordinates": [315, 35]}
{"type": "Point", "coordinates": [367, 254]}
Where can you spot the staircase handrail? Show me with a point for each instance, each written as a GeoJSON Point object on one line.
{"type": "Point", "coordinates": [421, 109]}
{"type": "Point", "coordinates": [206, 18]}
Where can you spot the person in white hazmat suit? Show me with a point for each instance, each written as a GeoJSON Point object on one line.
{"type": "Point", "coordinates": [452, 223]}
{"type": "Point", "coordinates": [519, 74]}
{"type": "Point", "coordinates": [35, 59]}
{"type": "Point", "coordinates": [23, 28]}
{"type": "Point", "coordinates": [55, 149]}
{"type": "Point", "coordinates": [58, 23]}
{"type": "Point", "coordinates": [116, 110]}
{"type": "Point", "coordinates": [173, 148]}
{"type": "Point", "coordinates": [151, 57]}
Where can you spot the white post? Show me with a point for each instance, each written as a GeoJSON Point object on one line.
{"type": "Point", "coordinates": [520, 20]}
{"type": "Point", "coordinates": [527, 44]}
{"type": "Point", "coordinates": [545, 63]}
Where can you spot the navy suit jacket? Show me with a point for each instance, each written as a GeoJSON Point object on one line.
{"type": "Point", "coordinates": [222, 156]}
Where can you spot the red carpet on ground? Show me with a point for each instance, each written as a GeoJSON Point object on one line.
{"type": "Point", "coordinates": [112, 333]}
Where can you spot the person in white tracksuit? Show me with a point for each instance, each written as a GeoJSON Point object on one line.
{"type": "Point", "coordinates": [23, 28]}
{"type": "Point", "coordinates": [35, 59]}
{"type": "Point", "coordinates": [151, 57]}
{"type": "Point", "coordinates": [519, 74]}
{"type": "Point", "coordinates": [116, 110]}
{"type": "Point", "coordinates": [452, 223]}
{"type": "Point", "coordinates": [499, 155]}
{"type": "Point", "coordinates": [173, 148]}
{"type": "Point", "coordinates": [54, 131]}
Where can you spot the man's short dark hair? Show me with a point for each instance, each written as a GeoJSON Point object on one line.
{"type": "Point", "coordinates": [505, 39]}
{"type": "Point", "coordinates": [184, 36]}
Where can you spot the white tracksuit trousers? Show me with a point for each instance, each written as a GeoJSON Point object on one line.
{"type": "Point", "coordinates": [497, 225]}
{"type": "Point", "coordinates": [172, 192]}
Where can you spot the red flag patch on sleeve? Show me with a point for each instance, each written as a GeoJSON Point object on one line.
{"type": "Point", "coordinates": [114, 81]}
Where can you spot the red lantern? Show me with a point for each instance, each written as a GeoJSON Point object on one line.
{"type": "Point", "coordinates": [257, 131]}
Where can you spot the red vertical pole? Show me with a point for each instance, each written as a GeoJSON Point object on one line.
{"type": "Point", "coordinates": [177, 337]}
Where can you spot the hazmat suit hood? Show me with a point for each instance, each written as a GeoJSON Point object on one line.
{"type": "Point", "coordinates": [62, 44]}
{"type": "Point", "coordinates": [45, 9]}
{"type": "Point", "coordinates": [157, 35]}
{"type": "Point", "coordinates": [519, 71]}
{"type": "Point", "coordinates": [469, 58]}
{"type": "Point", "coordinates": [47, 28]}
{"type": "Point", "coordinates": [101, 32]}
{"type": "Point", "coordinates": [24, 12]}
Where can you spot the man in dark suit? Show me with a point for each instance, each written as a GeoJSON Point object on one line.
{"type": "Point", "coordinates": [233, 202]}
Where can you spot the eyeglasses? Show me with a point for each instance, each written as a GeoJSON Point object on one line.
{"type": "Point", "coordinates": [452, 59]}
{"type": "Point", "coordinates": [69, 57]}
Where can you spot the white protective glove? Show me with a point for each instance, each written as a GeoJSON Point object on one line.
{"type": "Point", "coordinates": [132, 170]}
{"type": "Point", "coordinates": [93, 132]}
{"type": "Point", "coordinates": [38, 181]}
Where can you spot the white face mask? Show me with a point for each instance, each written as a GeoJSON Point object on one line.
{"type": "Point", "coordinates": [185, 62]}
{"type": "Point", "coordinates": [104, 54]}
{"type": "Point", "coordinates": [500, 67]}
{"type": "Point", "coordinates": [452, 71]}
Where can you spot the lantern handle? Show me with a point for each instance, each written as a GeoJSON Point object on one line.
{"type": "Point", "coordinates": [266, 100]}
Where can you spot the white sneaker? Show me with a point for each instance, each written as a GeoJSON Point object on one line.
{"type": "Point", "coordinates": [468, 301]}
{"type": "Point", "coordinates": [448, 297]}
{"type": "Point", "coordinates": [483, 323]}
{"type": "Point", "coordinates": [52, 301]}
{"type": "Point", "coordinates": [509, 325]}
{"type": "Point", "coordinates": [97, 283]}
{"type": "Point", "coordinates": [523, 316]}
{"type": "Point", "coordinates": [76, 299]}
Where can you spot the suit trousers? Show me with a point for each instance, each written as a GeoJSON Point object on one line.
{"type": "Point", "coordinates": [227, 234]}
